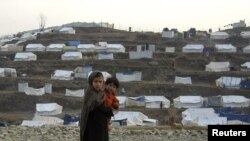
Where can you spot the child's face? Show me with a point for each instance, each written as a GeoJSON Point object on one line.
{"type": "Point", "coordinates": [111, 87]}
{"type": "Point", "coordinates": [97, 83]}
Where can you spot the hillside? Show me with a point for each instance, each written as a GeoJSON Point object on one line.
{"type": "Point", "coordinates": [158, 73]}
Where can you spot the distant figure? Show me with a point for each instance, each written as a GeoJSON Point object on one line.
{"type": "Point", "coordinates": [161, 105]}
{"type": "Point", "coordinates": [123, 91]}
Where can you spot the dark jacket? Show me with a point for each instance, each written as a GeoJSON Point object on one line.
{"type": "Point", "coordinates": [97, 124]}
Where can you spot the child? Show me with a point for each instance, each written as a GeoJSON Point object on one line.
{"type": "Point", "coordinates": [112, 84]}
{"type": "Point", "coordinates": [94, 115]}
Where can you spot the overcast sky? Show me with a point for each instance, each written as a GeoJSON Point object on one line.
{"type": "Point", "coordinates": [21, 15]}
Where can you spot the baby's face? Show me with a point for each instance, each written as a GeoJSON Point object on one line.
{"type": "Point", "coordinates": [98, 83]}
{"type": "Point", "coordinates": [111, 87]}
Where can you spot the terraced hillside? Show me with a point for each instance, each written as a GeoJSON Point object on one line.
{"type": "Point", "coordinates": [157, 74]}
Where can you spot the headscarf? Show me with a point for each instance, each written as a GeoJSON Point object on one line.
{"type": "Point", "coordinates": [91, 100]}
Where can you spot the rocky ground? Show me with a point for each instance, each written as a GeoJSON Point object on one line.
{"type": "Point", "coordinates": [71, 133]}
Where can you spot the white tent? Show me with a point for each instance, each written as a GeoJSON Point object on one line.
{"type": "Point", "coordinates": [245, 66]}
{"type": "Point", "coordinates": [135, 101]}
{"type": "Point", "coordinates": [132, 118]}
{"type": "Point", "coordinates": [75, 93]}
{"type": "Point", "coordinates": [127, 77]}
{"type": "Point", "coordinates": [235, 101]}
{"type": "Point", "coordinates": [11, 47]}
{"type": "Point", "coordinates": [122, 101]}
{"type": "Point", "coordinates": [218, 66]}
{"type": "Point", "coordinates": [150, 122]}
{"type": "Point", "coordinates": [9, 72]}
{"type": "Point", "coordinates": [28, 36]}
{"type": "Point", "coordinates": [72, 56]}
{"type": "Point", "coordinates": [246, 49]}
{"type": "Point", "coordinates": [55, 47]}
{"type": "Point", "coordinates": [219, 35]}
{"type": "Point", "coordinates": [108, 56]}
{"type": "Point", "coordinates": [170, 49]}
{"type": "Point", "coordinates": [193, 48]}
{"type": "Point", "coordinates": [102, 44]}
{"type": "Point", "coordinates": [32, 123]}
{"type": "Point", "coordinates": [25, 56]}
{"type": "Point", "coordinates": [33, 91]}
{"type": "Point", "coordinates": [48, 109]}
{"type": "Point", "coordinates": [48, 120]}
{"type": "Point", "coordinates": [100, 49]}
{"type": "Point", "coordinates": [182, 80]}
{"type": "Point", "coordinates": [115, 48]}
{"type": "Point", "coordinates": [62, 75]}
{"type": "Point", "coordinates": [67, 30]}
{"type": "Point", "coordinates": [86, 47]}
{"type": "Point", "coordinates": [139, 55]}
{"type": "Point", "coordinates": [245, 34]}
{"type": "Point", "coordinates": [202, 117]}
{"type": "Point", "coordinates": [155, 102]}
{"type": "Point", "coordinates": [225, 48]}
{"type": "Point", "coordinates": [167, 34]}
{"type": "Point", "coordinates": [188, 102]}
{"type": "Point", "coordinates": [228, 82]}
{"type": "Point", "coordinates": [35, 47]}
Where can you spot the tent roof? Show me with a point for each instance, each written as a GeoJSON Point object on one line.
{"type": "Point", "coordinates": [218, 64]}
{"type": "Point", "coordinates": [234, 99]}
{"type": "Point", "coordinates": [56, 45]}
{"type": "Point", "coordinates": [155, 98]}
{"type": "Point", "coordinates": [24, 55]}
{"type": "Point", "coordinates": [63, 73]}
{"type": "Point", "coordinates": [194, 46]}
{"type": "Point", "coordinates": [46, 107]}
{"type": "Point", "coordinates": [72, 54]}
{"type": "Point", "coordinates": [86, 46]}
{"type": "Point", "coordinates": [115, 46]}
{"type": "Point", "coordinates": [190, 99]}
{"type": "Point", "coordinates": [219, 33]}
{"type": "Point", "coordinates": [35, 46]}
{"type": "Point", "coordinates": [224, 46]}
{"type": "Point", "coordinates": [66, 29]}
{"type": "Point", "coordinates": [246, 64]}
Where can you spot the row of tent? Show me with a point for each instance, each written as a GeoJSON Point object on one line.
{"type": "Point", "coordinates": [45, 113]}
{"type": "Point", "coordinates": [224, 82]}
{"type": "Point", "coordinates": [24, 88]}
{"type": "Point", "coordinates": [32, 36]}
{"type": "Point", "coordinates": [210, 116]}
{"type": "Point", "coordinates": [113, 48]}
{"type": "Point", "coordinates": [85, 71]}
{"type": "Point", "coordinates": [224, 35]}
{"type": "Point", "coordinates": [224, 66]}
{"type": "Point", "coordinates": [184, 101]}
{"type": "Point", "coordinates": [199, 48]}
{"type": "Point", "coordinates": [193, 48]}
{"type": "Point", "coordinates": [73, 55]}
{"type": "Point", "coordinates": [71, 46]}
{"type": "Point", "coordinates": [81, 73]}
{"type": "Point", "coordinates": [202, 116]}
{"type": "Point", "coordinates": [215, 35]}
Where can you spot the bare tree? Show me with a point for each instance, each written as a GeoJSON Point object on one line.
{"type": "Point", "coordinates": [42, 22]}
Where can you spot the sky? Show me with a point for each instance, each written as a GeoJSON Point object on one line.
{"type": "Point", "coordinates": [147, 15]}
